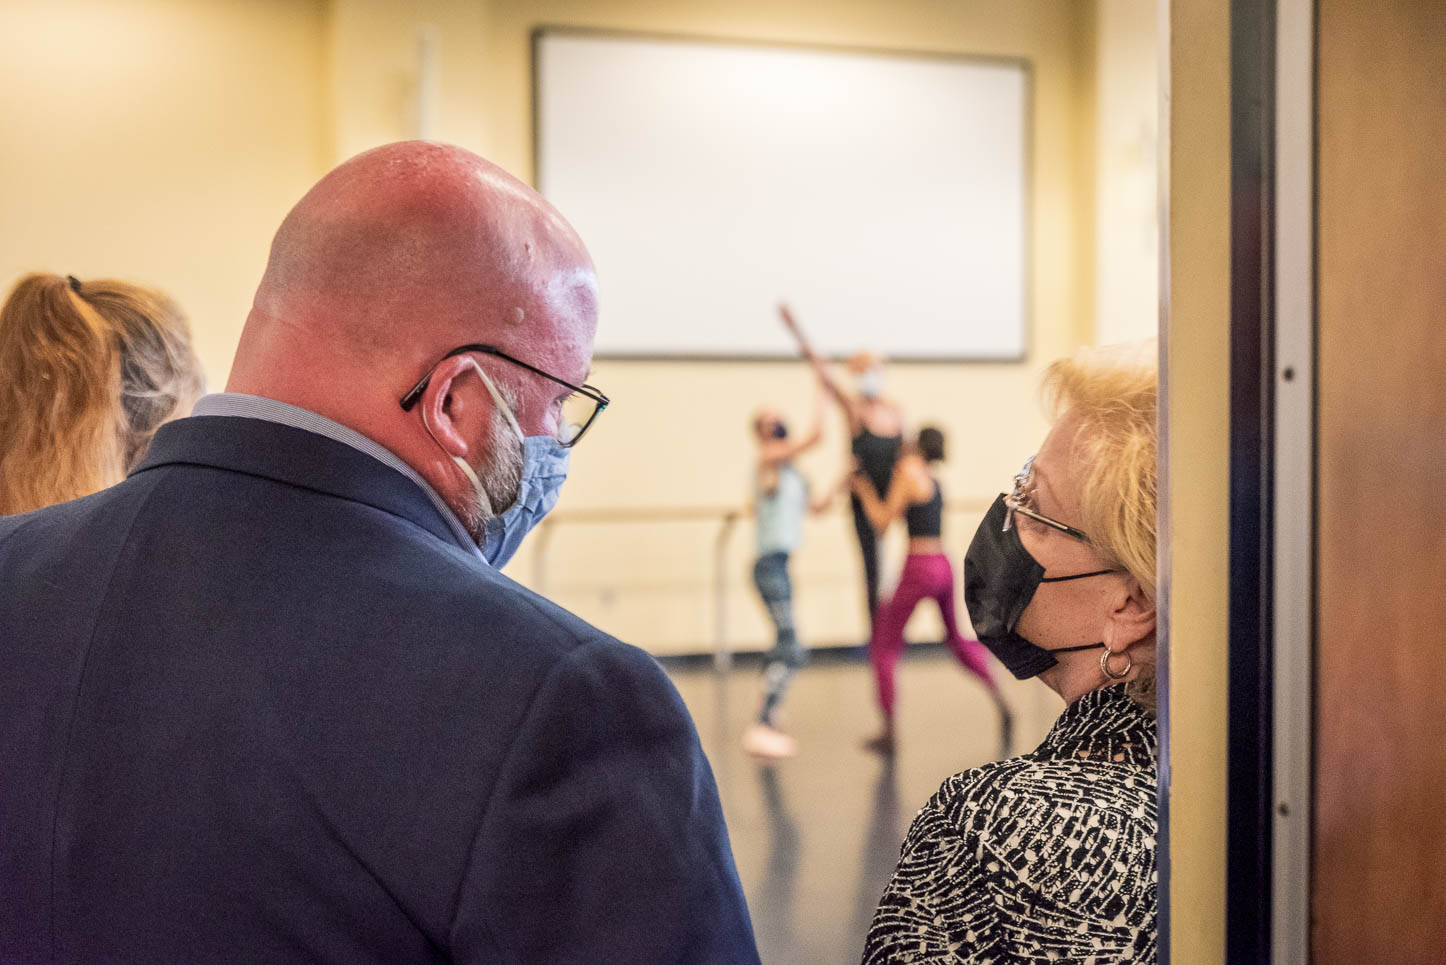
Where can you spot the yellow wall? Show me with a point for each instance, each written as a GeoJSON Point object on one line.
{"type": "Point", "coordinates": [1198, 454]}
{"type": "Point", "coordinates": [1127, 243]}
{"type": "Point", "coordinates": [372, 62]}
{"type": "Point", "coordinates": [687, 422]}
{"type": "Point", "coordinates": [160, 142]}
{"type": "Point", "coordinates": [165, 139]}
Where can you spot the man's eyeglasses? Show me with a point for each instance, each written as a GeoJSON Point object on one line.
{"type": "Point", "coordinates": [1022, 497]}
{"type": "Point", "coordinates": [579, 410]}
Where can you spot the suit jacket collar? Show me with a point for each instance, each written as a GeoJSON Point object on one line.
{"type": "Point", "coordinates": [274, 451]}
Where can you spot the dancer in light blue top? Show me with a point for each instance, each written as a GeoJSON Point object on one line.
{"type": "Point", "coordinates": [780, 504]}
{"type": "Point", "coordinates": [780, 510]}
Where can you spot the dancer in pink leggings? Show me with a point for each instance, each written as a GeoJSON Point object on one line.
{"type": "Point", "coordinates": [914, 493]}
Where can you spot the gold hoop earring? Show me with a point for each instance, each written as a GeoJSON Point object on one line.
{"type": "Point", "coordinates": [1105, 665]}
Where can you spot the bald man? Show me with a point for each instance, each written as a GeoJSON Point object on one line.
{"type": "Point", "coordinates": [270, 700]}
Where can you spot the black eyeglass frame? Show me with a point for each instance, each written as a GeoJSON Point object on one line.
{"type": "Point", "coordinates": [600, 400]}
{"type": "Point", "coordinates": [1013, 503]}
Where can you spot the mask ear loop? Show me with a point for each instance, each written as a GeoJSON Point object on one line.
{"type": "Point", "coordinates": [482, 496]}
{"type": "Point", "coordinates": [1076, 576]}
{"type": "Point", "coordinates": [500, 402]}
{"type": "Point", "coordinates": [1083, 646]}
{"type": "Point", "coordinates": [484, 501]}
{"type": "Point", "coordinates": [1104, 657]}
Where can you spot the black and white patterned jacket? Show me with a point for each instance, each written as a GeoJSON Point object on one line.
{"type": "Point", "coordinates": [1049, 857]}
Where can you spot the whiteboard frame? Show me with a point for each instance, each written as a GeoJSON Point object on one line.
{"type": "Point", "coordinates": [1026, 67]}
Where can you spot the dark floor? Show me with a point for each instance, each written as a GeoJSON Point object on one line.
{"type": "Point", "coordinates": [817, 837]}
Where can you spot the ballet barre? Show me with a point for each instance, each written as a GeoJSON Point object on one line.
{"type": "Point", "coordinates": [727, 519]}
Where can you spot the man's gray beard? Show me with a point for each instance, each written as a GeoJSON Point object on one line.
{"type": "Point", "coordinates": [501, 478]}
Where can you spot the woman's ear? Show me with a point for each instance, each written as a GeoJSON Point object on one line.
{"type": "Point", "coordinates": [1131, 618]}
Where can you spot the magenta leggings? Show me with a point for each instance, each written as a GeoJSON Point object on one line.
{"type": "Point", "coordinates": [925, 576]}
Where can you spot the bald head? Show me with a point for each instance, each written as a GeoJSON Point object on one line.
{"type": "Point", "coordinates": [395, 258]}
{"type": "Point", "coordinates": [414, 247]}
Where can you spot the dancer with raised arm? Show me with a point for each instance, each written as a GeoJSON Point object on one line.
{"type": "Point", "coordinates": [876, 433]}
{"type": "Point", "coordinates": [916, 495]}
{"type": "Point", "coordinates": [780, 502]}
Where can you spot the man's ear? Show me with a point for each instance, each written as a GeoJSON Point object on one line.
{"type": "Point", "coordinates": [1131, 619]}
{"type": "Point", "coordinates": [455, 406]}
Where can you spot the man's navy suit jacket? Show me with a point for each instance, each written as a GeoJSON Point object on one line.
{"type": "Point", "coordinates": [256, 705]}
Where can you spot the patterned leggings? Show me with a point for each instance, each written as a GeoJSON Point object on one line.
{"type": "Point", "coordinates": [925, 576]}
{"type": "Point", "coordinates": [770, 575]}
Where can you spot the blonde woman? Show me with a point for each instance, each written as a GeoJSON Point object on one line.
{"type": "Point", "coordinates": [1051, 856]}
{"type": "Point", "coordinates": [88, 372]}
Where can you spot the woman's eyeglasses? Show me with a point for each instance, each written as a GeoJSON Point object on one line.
{"type": "Point", "coordinates": [1020, 498]}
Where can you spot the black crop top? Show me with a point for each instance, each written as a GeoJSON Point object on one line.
{"type": "Point", "coordinates": [926, 519]}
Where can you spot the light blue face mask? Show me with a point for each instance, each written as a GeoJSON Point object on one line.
{"type": "Point", "coordinates": [544, 469]}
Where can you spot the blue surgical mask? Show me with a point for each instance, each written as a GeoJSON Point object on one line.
{"type": "Point", "coordinates": [544, 469]}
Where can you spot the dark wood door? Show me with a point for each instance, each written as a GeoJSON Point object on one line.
{"type": "Point", "coordinates": [1379, 864]}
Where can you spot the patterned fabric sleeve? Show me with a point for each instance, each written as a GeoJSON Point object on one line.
{"type": "Point", "coordinates": [1025, 861]}
{"type": "Point", "coordinates": [937, 907]}
{"type": "Point", "coordinates": [1048, 857]}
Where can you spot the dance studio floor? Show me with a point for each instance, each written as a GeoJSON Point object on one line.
{"type": "Point", "coordinates": [816, 837]}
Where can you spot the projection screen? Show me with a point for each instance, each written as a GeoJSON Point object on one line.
{"type": "Point", "coordinates": [883, 195]}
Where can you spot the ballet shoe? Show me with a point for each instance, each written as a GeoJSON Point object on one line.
{"type": "Point", "coordinates": [764, 741]}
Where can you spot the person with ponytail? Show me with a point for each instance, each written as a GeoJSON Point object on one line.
{"type": "Point", "coordinates": [88, 372]}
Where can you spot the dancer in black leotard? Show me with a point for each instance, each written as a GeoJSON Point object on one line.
{"type": "Point", "coordinates": [875, 456]}
{"type": "Point", "coordinates": [876, 426]}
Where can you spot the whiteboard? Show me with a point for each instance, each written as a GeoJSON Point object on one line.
{"type": "Point", "coordinates": [884, 196]}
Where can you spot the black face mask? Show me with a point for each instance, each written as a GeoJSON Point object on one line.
{"type": "Point", "coordinates": [1000, 578]}
{"type": "Point", "coordinates": [780, 431]}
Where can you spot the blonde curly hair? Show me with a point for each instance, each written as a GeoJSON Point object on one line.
{"type": "Point", "coordinates": [1113, 394]}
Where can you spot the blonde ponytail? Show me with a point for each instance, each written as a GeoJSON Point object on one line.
{"type": "Point", "coordinates": [88, 371]}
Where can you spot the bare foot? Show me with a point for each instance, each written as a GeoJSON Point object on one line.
{"type": "Point", "coordinates": [760, 740]}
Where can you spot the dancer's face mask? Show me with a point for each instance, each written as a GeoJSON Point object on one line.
{"type": "Point", "coordinates": [870, 384]}
{"type": "Point", "coordinates": [1000, 577]}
